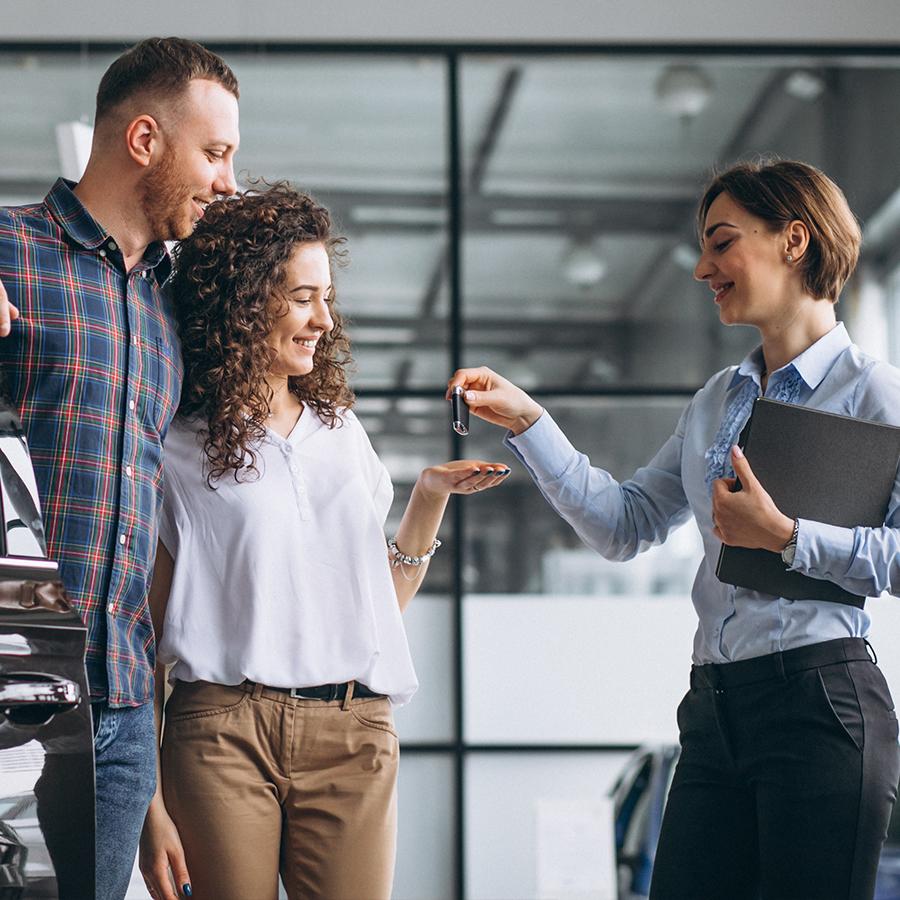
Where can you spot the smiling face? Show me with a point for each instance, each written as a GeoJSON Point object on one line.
{"type": "Point", "coordinates": [307, 292]}
{"type": "Point", "coordinates": [745, 264]}
{"type": "Point", "coordinates": [196, 164]}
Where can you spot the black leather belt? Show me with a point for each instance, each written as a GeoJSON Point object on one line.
{"type": "Point", "coordinates": [322, 691]}
{"type": "Point", "coordinates": [720, 676]}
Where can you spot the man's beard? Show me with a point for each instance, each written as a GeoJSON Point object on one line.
{"type": "Point", "coordinates": [165, 201]}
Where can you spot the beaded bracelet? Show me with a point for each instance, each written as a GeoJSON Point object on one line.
{"type": "Point", "coordinates": [403, 558]}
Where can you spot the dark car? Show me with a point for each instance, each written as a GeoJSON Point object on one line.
{"type": "Point", "coordinates": [46, 741]}
{"type": "Point", "coordinates": [13, 855]}
{"type": "Point", "coordinates": [639, 798]}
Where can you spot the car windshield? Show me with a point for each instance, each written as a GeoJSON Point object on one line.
{"type": "Point", "coordinates": [7, 805]}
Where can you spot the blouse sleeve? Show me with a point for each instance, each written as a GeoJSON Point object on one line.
{"type": "Point", "coordinates": [862, 560]}
{"type": "Point", "coordinates": [617, 520]}
{"type": "Point", "coordinates": [377, 476]}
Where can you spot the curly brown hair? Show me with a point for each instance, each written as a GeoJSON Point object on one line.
{"type": "Point", "coordinates": [227, 292]}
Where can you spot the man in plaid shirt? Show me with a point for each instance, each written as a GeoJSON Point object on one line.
{"type": "Point", "coordinates": [93, 366]}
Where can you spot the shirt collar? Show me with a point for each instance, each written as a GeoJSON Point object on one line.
{"type": "Point", "coordinates": [85, 230]}
{"type": "Point", "coordinates": [812, 364]}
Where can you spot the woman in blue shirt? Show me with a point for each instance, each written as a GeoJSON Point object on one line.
{"type": "Point", "coordinates": [789, 762]}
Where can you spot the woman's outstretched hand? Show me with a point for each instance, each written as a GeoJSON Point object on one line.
{"type": "Point", "coordinates": [462, 476]}
{"type": "Point", "coordinates": [494, 399]}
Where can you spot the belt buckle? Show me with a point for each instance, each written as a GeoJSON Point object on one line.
{"type": "Point", "coordinates": [297, 694]}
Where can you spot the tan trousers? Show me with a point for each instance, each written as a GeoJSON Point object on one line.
{"type": "Point", "coordinates": [259, 784]}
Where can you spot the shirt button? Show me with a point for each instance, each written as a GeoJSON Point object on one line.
{"type": "Point", "coordinates": [102, 252]}
{"type": "Point", "coordinates": [288, 449]}
{"type": "Point", "coordinates": [136, 341]}
{"type": "Point", "coordinates": [143, 273]}
{"type": "Point", "coordinates": [113, 245]}
{"type": "Point", "coordinates": [122, 538]}
{"type": "Point", "coordinates": [131, 404]}
{"type": "Point", "coordinates": [129, 471]}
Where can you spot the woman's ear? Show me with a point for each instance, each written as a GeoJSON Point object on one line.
{"type": "Point", "coordinates": [796, 241]}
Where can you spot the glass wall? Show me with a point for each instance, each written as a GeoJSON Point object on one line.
{"type": "Point", "coordinates": [532, 212]}
{"type": "Point", "coordinates": [580, 177]}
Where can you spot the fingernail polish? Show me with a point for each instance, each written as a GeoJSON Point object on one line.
{"type": "Point", "coordinates": [489, 471]}
{"type": "Point", "coordinates": [476, 472]}
{"type": "Point", "coordinates": [186, 890]}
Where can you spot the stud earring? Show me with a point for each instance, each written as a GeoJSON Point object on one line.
{"type": "Point", "coordinates": [789, 258]}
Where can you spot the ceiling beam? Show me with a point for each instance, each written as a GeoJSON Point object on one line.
{"type": "Point", "coordinates": [481, 159]}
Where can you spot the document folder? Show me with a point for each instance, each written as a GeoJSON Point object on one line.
{"type": "Point", "coordinates": [815, 465]}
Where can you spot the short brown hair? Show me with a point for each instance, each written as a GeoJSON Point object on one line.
{"type": "Point", "coordinates": [227, 274]}
{"type": "Point", "coordinates": [163, 66]}
{"type": "Point", "coordinates": [782, 191]}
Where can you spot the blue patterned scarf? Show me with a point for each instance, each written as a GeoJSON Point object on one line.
{"type": "Point", "coordinates": [718, 456]}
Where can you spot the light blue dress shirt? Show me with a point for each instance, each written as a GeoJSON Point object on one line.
{"type": "Point", "coordinates": [620, 520]}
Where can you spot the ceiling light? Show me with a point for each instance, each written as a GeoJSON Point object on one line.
{"type": "Point", "coordinates": [603, 370]}
{"type": "Point", "coordinates": [683, 91]}
{"type": "Point", "coordinates": [804, 85]}
{"type": "Point", "coordinates": [583, 266]}
{"type": "Point", "coordinates": [685, 256]}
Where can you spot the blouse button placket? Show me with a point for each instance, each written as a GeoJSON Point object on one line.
{"type": "Point", "coordinates": [298, 482]}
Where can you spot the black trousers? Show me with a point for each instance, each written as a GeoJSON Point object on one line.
{"type": "Point", "coordinates": [786, 780]}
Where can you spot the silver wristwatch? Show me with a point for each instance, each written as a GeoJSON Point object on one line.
{"type": "Point", "coordinates": [790, 548]}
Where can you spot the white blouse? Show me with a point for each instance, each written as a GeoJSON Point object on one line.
{"type": "Point", "coordinates": [283, 578]}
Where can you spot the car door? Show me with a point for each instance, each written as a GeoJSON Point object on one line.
{"type": "Point", "coordinates": [46, 739]}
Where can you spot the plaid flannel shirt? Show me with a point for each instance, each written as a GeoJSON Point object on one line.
{"type": "Point", "coordinates": [94, 369]}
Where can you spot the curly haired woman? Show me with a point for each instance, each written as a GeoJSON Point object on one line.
{"type": "Point", "coordinates": [275, 599]}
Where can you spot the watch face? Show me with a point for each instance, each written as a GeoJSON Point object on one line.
{"type": "Point", "coordinates": [787, 555]}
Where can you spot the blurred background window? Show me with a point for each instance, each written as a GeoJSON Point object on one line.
{"type": "Point", "coordinates": [533, 212]}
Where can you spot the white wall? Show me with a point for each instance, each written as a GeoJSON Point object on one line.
{"type": "Point", "coordinates": [640, 21]}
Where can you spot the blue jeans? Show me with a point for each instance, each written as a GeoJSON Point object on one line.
{"type": "Point", "coordinates": [125, 752]}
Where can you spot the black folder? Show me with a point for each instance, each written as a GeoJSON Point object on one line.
{"type": "Point", "coordinates": [815, 465]}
